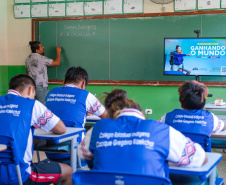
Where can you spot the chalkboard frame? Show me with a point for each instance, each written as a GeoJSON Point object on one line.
{"type": "Point", "coordinates": [35, 33]}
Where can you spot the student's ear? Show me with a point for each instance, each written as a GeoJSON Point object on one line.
{"type": "Point", "coordinates": [83, 85]}
{"type": "Point", "coordinates": [31, 92]}
{"type": "Point", "coordinates": [181, 105]}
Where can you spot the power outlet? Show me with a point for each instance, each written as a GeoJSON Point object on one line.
{"type": "Point", "coordinates": [148, 111]}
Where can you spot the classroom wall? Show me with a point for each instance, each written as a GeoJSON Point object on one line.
{"type": "Point", "coordinates": [16, 33]}
{"type": "Point", "coordinates": [3, 46]}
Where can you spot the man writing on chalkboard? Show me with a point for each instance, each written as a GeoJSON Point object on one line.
{"type": "Point", "coordinates": [36, 67]}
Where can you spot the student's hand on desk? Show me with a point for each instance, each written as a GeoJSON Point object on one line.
{"type": "Point", "coordinates": [89, 113]}
{"type": "Point", "coordinates": [59, 128]}
{"type": "Point", "coordinates": [206, 160]}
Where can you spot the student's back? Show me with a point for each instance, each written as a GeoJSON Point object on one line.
{"type": "Point", "coordinates": [136, 145]}
{"type": "Point", "coordinates": [69, 103]}
{"type": "Point", "coordinates": [192, 118]}
{"type": "Point", "coordinates": [72, 102]}
{"type": "Point", "coordinates": [19, 115]}
{"type": "Point", "coordinates": [16, 123]}
{"type": "Point", "coordinates": [129, 143]}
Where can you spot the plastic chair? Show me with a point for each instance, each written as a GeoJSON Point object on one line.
{"type": "Point", "coordinates": [9, 156]}
{"type": "Point", "coordinates": [116, 178]}
{"type": "Point", "coordinates": [203, 140]}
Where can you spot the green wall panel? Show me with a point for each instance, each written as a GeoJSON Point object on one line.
{"type": "Point", "coordinates": [3, 80]}
{"type": "Point", "coordinates": [14, 70]}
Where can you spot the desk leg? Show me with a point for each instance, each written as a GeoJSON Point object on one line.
{"type": "Point", "coordinates": [212, 178]}
{"type": "Point", "coordinates": [74, 153]}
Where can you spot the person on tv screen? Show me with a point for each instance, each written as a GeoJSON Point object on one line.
{"type": "Point", "coordinates": [177, 62]}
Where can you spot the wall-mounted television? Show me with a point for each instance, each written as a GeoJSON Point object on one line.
{"type": "Point", "coordinates": [195, 56]}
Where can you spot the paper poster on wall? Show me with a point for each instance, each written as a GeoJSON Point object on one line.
{"type": "Point", "coordinates": [22, 1]}
{"type": "Point", "coordinates": [75, 8]}
{"type": "Point", "coordinates": [181, 5]}
{"type": "Point", "coordinates": [113, 7]}
{"type": "Point", "coordinates": [39, 1]}
{"type": "Point", "coordinates": [133, 6]}
{"type": "Point", "coordinates": [93, 8]}
{"type": "Point", "coordinates": [39, 10]}
{"type": "Point", "coordinates": [22, 11]}
{"type": "Point", "coordinates": [57, 10]}
{"type": "Point", "coordinates": [208, 4]}
{"type": "Point", "coordinates": [223, 3]}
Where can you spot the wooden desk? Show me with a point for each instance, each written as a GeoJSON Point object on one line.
{"type": "Point", "coordinates": [208, 170]}
{"type": "Point", "coordinates": [71, 135]}
{"type": "Point", "coordinates": [2, 147]}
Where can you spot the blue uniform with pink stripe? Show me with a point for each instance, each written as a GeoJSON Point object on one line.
{"type": "Point", "coordinates": [71, 105]}
{"type": "Point", "coordinates": [191, 121]}
{"type": "Point", "coordinates": [13, 108]}
{"type": "Point", "coordinates": [130, 144]}
{"type": "Point", "coordinates": [68, 103]}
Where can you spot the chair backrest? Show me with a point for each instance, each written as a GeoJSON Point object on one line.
{"type": "Point", "coordinates": [9, 156]}
{"type": "Point", "coordinates": [202, 139]}
{"type": "Point", "coordinates": [114, 178]}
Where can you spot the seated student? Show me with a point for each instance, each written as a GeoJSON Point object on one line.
{"type": "Point", "coordinates": [19, 115]}
{"type": "Point", "coordinates": [192, 118]}
{"type": "Point", "coordinates": [126, 142]}
{"type": "Point", "coordinates": [72, 102]}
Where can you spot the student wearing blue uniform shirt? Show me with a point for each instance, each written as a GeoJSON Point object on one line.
{"type": "Point", "coordinates": [126, 142]}
{"type": "Point", "coordinates": [72, 102]}
{"type": "Point", "coordinates": [19, 115]}
{"type": "Point", "coordinates": [192, 118]}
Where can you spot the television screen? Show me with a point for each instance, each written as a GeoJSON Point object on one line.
{"type": "Point", "coordinates": [195, 56]}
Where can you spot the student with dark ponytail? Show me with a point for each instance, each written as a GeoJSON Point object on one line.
{"type": "Point", "coordinates": [126, 142]}
{"type": "Point", "coordinates": [192, 118]}
{"type": "Point", "coordinates": [36, 66]}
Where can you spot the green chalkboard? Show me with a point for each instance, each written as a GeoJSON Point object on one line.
{"type": "Point", "coordinates": [123, 48]}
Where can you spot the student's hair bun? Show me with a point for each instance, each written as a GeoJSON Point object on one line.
{"type": "Point", "coordinates": [117, 94]}
{"type": "Point", "coordinates": [193, 95]}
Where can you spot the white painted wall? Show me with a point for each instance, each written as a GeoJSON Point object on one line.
{"type": "Point", "coordinates": [15, 34]}
{"type": "Point", "coordinates": [3, 33]}
{"type": "Point", "coordinates": [19, 35]}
